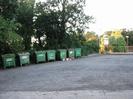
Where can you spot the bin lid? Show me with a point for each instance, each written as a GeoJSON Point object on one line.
{"type": "Point", "coordinates": [8, 55]}
{"type": "Point", "coordinates": [40, 51]}
{"type": "Point", "coordinates": [24, 53]}
{"type": "Point", "coordinates": [70, 49]}
{"type": "Point", "coordinates": [77, 48]}
{"type": "Point", "coordinates": [50, 50]}
{"type": "Point", "coordinates": [61, 49]}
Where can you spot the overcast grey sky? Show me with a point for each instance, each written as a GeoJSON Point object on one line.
{"type": "Point", "coordinates": [109, 14]}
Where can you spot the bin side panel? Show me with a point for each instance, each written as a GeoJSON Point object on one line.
{"type": "Point", "coordinates": [62, 54]}
{"type": "Point", "coordinates": [8, 61]}
{"type": "Point", "coordinates": [71, 53]}
{"type": "Point", "coordinates": [24, 59]}
{"type": "Point", "coordinates": [40, 57]}
{"type": "Point", "coordinates": [51, 55]}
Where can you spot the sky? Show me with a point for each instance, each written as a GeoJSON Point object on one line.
{"type": "Point", "coordinates": [109, 14]}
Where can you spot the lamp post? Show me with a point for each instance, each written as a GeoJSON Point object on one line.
{"type": "Point", "coordinates": [127, 42]}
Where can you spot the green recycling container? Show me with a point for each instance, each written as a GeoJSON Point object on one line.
{"type": "Point", "coordinates": [40, 56]}
{"type": "Point", "coordinates": [71, 53]}
{"type": "Point", "coordinates": [61, 54]}
{"type": "Point", "coordinates": [51, 55]}
{"type": "Point", "coordinates": [77, 52]}
{"type": "Point", "coordinates": [24, 58]}
{"type": "Point", "coordinates": [8, 60]}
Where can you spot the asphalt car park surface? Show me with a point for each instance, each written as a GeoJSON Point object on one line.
{"type": "Point", "coordinates": [112, 73]}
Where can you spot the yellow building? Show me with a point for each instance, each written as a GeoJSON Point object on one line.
{"type": "Point", "coordinates": [115, 33]}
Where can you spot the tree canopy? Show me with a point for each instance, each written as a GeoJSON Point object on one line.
{"type": "Point", "coordinates": [9, 40]}
{"type": "Point", "coordinates": [128, 33]}
{"type": "Point", "coordinates": [54, 24]}
{"type": "Point", "coordinates": [59, 21]}
{"type": "Point", "coordinates": [25, 14]}
{"type": "Point", "coordinates": [8, 8]}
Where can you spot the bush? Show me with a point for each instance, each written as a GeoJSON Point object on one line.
{"type": "Point", "coordinates": [10, 41]}
{"type": "Point", "coordinates": [90, 47]}
{"type": "Point", "coordinates": [119, 49]}
{"type": "Point", "coordinates": [117, 44]}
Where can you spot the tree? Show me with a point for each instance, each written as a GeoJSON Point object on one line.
{"type": "Point", "coordinates": [117, 44]}
{"type": "Point", "coordinates": [112, 41]}
{"type": "Point", "coordinates": [130, 34]}
{"type": "Point", "coordinates": [89, 36]}
{"type": "Point", "coordinates": [25, 14]}
{"type": "Point", "coordinates": [46, 25]}
{"type": "Point", "coordinates": [10, 41]}
{"type": "Point", "coordinates": [8, 8]}
{"type": "Point", "coordinates": [63, 19]}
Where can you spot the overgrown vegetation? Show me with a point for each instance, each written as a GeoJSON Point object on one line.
{"type": "Point", "coordinates": [54, 24]}
{"type": "Point", "coordinates": [128, 33]}
{"type": "Point", "coordinates": [117, 44]}
{"type": "Point", "coordinates": [91, 43]}
{"type": "Point", "coordinates": [10, 41]}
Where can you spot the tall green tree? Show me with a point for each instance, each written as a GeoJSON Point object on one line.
{"type": "Point", "coordinates": [62, 19]}
{"type": "Point", "coordinates": [128, 33]}
{"type": "Point", "coordinates": [8, 8]}
{"type": "Point", "coordinates": [25, 14]}
{"type": "Point", "coordinates": [10, 41]}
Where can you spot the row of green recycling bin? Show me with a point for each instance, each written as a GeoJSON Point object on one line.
{"type": "Point", "coordinates": [12, 60]}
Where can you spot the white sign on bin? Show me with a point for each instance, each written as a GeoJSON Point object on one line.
{"type": "Point", "coordinates": [24, 57]}
{"type": "Point", "coordinates": [9, 59]}
{"type": "Point", "coordinates": [71, 52]}
{"type": "Point", "coordinates": [40, 55]}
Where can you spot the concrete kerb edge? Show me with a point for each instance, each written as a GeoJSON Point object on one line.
{"type": "Point", "coordinates": [117, 53]}
{"type": "Point", "coordinates": [91, 55]}
{"type": "Point", "coordinates": [128, 94]}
